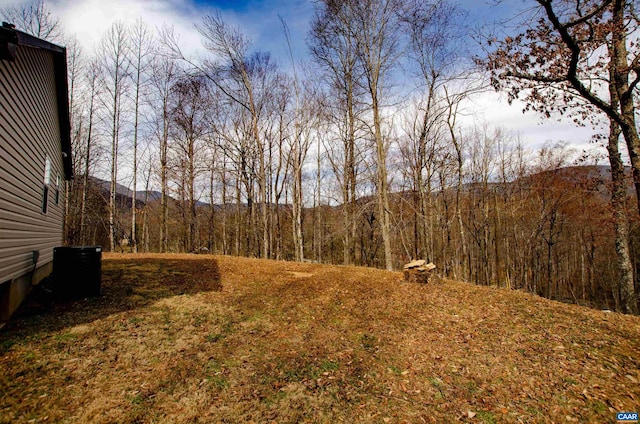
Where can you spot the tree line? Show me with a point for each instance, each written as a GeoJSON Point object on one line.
{"type": "Point", "coordinates": [358, 155]}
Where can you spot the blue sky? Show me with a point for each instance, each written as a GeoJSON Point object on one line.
{"type": "Point", "coordinates": [258, 18]}
{"type": "Point", "coordinates": [89, 19]}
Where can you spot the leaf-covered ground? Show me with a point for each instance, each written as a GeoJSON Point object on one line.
{"type": "Point", "coordinates": [180, 338]}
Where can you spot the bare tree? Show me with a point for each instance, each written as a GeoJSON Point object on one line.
{"type": "Point", "coordinates": [301, 141]}
{"type": "Point", "coordinates": [113, 48]}
{"type": "Point", "coordinates": [375, 28]}
{"type": "Point", "coordinates": [141, 52]}
{"type": "Point", "coordinates": [75, 74]}
{"type": "Point", "coordinates": [93, 75]}
{"type": "Point", "coordinates": [372, 36]}
{"type": "Point", "coordinates": [421, 148]}
{"type": "Point", "coordinates": [618, 203]}
{"type": "Point", "coordinates": [334, 48]}
{"type": "Point", "coordinates": [35, 19]}
{"type": "Point", "coordinates": [245, 79]}
{"type": "Point", "coordinates": [146, 236]}
{"type": "Point", "coordinates": [164, 74]}
{"type": "Point", "coordinates": [437, 50]}
{"type": "Point", "coordinates": [279, 140]}
{"type": "Point", "coordinates": [191, 125]}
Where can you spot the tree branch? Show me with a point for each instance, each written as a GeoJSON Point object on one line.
{"type": "Point", "coordinates": [571, 75]}
{"type": "Point", "coordinates": [536, 78]}
{"type": "Point", "coordinates": [588, 16]}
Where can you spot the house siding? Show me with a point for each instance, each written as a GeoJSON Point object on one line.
{"type": "Point", "coordinates": [29, 133]}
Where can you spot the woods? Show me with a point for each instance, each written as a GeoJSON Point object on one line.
{"type": "Point", "coordinates": [361, 154]}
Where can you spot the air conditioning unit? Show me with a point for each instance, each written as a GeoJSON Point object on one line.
{"type": "Point", "coordinates": [77, 271]}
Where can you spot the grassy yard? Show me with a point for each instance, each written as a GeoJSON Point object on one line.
{"type": "Point", "coordinates": [182, 338]}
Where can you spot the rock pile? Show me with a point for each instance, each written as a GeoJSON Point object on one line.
{"type": "Point", "coordinates": [418, 271]}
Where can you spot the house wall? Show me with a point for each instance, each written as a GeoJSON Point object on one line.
{"type": "Point", "coordinates": [29, 133]}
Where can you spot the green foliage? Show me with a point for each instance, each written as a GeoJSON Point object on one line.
{"type": "Point", "coordinates": [487, 417]}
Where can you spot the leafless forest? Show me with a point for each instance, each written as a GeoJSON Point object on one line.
{"type": "Point", "coordinates": [358, 154]}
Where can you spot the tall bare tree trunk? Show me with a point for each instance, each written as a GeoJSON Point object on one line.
{"type": "Point", "coordinates": [238, 218]}
{"type": "Point", "coordinates": [374, 28]}
{"type": "Point", "coordinates": [93, 76]}
{"type": "Point", "coordinates": [298, 241]}
{"type": "Point", "coordinates": [298, 152]}
{"type": "Point", "coordinates": [626, 284]}
{"type": "Point", "coordinates": [164, 182]}
{"type": "Point", "coordinates": [621, 224]}
{"type": "Point", "coordinates": [262, 182]}
{"type": "Point", "coordinates": [350, 179]}
{"type": "Point", "coordinates": [317, 215]}
{"type": "Point", "coordinates": [193, 216]}
{"type": "Point", "coordinates": [162, 79]}
{"type": "Point", "coordinates": [211, 236]}
{"type": "Point", "coordinates": [114, 176]}
{"type": "Point", "coordinates": [465, 260]}
{"type": "Point", "coordinates": [624, 95]}
{"type": "Point", "coordinates": [383, 185]}
{"type": "Point", "coordinates": [223, 181]}
{"type": "Point", "coordinates": [145, 213]}
{"type": "Point", "coordinates": [140, 39]}
{"type": "Point", "coordinates": [114, 62]}
{"type": "Point", "coordinates": [83, 206]}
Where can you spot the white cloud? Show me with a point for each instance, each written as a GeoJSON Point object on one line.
{"type": "Point", "coordinates": [534, 130]}
{"type": "Point", "coordinates": [88, 20]}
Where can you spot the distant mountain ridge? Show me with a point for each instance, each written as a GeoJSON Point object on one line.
{"type": "Point", "coordinates": [141, 195]}
{"type": "Point", "coordinates": [600, 173]}
{"type": "Point", "coordinates": [597, 173]}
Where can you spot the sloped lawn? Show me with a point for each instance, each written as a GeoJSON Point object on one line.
{"type": "Point", "coordinates": [185, 338]}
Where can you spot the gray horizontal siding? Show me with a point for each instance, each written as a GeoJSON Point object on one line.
{"type": "Point", "coordinates": [17, 253]}
{"type": "Point", "coordinates": [29, 132]}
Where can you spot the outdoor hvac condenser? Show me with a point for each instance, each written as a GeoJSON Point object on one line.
{"type": "Point", "coordinates": [77, 271]}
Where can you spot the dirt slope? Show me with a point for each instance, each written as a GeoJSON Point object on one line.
{"type": "Point", "coordinates": [181, 338]}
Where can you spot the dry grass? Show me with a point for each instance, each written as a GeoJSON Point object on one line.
{"type": "Point", "coordinates": [179, 338]}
